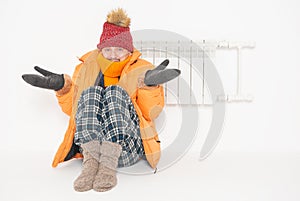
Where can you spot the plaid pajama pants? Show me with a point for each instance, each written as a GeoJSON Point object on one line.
{"type": "Point", "coordinates": [109, 115]}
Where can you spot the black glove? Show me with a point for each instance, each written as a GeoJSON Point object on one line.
{"type": "Point", "coordinates": [48, 81]}
{"type": "Point", "coordinates": [160, 75]}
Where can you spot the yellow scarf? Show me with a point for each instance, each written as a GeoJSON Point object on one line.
{"type": "Point", "coordinates": [111, 69]}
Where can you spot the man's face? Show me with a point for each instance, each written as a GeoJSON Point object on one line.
{"type": "Point", "coordinates": [115, 53]}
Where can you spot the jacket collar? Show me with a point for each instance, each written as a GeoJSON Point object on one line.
{"type": "Point", "coordinates": [135, 55]}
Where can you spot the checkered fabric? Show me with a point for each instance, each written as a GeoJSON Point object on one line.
{"type": "Point", "coordinates": [109, 115]}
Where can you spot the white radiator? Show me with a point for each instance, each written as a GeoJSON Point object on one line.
{"type": "Point", "coordinates": [193, 59]}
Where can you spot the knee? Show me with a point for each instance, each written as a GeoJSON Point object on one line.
{"type": "Point", "coordinates": [93, 90]}
{"type": "Point", "coordinates": [115, 93]}
{"type": "Point", "coordinates": [91, 93]}
{"type": "Point", "coordinates": [114, 88]}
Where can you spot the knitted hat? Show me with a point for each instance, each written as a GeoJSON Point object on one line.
{"type": "Point", "coordinates": [116, 32]}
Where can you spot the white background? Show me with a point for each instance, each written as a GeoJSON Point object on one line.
{"type": "Point", "coordinates": [260, 139]}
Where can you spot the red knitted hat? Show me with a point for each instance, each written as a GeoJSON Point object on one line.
{"type": "Point", "coordinates": [116, 31]}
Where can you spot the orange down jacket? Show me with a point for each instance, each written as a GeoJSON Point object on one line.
{"type": "Point", "coordinates": [148, 104]}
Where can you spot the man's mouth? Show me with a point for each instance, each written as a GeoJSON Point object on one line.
{"type": "Point", "coordinates": [115, 59]}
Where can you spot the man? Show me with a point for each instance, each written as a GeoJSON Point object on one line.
{"type": "Point", "coordinates": [112, 99]}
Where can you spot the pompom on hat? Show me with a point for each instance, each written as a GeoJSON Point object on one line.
{"type": "Point", "coordinates": [116, 31]}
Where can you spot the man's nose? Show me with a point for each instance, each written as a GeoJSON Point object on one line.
{"type": "Point", "coordinates": [113, 54]}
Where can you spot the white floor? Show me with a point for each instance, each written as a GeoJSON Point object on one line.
{"type": "Point", "coordinates": [222, 176]}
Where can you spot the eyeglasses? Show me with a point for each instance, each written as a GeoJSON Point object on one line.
{"type": "Point", "coordinates": [115, 53]}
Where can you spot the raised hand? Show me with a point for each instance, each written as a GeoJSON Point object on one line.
{"type": "Point", "coordinates": [160, 74]}
{"type": "Point", "coordinates": [49, 80]}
